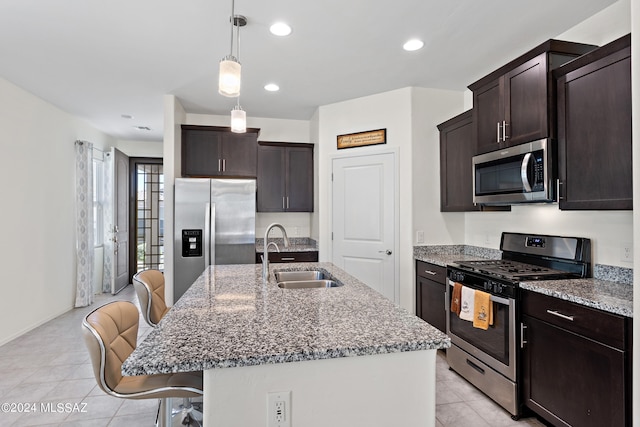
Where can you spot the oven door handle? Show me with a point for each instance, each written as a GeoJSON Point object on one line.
{"type": "Point", "coordinates": [494, 298]}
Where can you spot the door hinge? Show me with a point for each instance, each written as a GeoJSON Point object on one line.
{"type": "Point", "coordinates": [332, 176]}
{"type": "Point", "coordinates": [332, 235]}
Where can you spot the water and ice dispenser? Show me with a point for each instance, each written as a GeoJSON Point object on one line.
{"type": "Point", "coordinates": [191, 243]}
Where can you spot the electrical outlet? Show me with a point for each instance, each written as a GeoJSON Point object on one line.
{"type": "Point", "coordinates": [626, 252]}
{"type": "Point", "coordinates": [420, 236]}
{"type": "Point", "coordinates": [279, 409]}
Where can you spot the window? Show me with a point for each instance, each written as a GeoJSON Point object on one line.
{"type": "Point", "coordinates": [149, 216]}
{"type": "Point", "coordinates": [98, 201]}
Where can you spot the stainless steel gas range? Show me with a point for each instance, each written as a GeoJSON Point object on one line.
{"type": "Point", "coordinates": [489, 359]}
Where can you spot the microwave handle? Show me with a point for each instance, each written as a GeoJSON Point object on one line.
{"type": "Point", "coordinates": [523, 172]}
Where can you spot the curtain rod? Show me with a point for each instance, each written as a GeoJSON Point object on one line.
{"type": "Point", "coordinates": [80, 142]}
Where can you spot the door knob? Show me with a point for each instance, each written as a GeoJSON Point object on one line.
{"type": "Point", "coordinates": [388, 252]}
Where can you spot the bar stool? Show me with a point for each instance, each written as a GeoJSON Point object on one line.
{"type": "Point", "coordinates": [149, 286]}
{"type": "Point", "coordinates": [111, 334]}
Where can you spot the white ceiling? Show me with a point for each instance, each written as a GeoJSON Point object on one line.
{"type": "Point", "coordinates": [102, 59]}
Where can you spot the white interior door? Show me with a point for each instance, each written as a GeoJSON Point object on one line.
{"type": "Point", "coordinates": [364, 220]}
{"type": "Point", "coordinates": [120, 226]}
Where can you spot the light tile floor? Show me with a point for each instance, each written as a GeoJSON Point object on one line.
{"type": "Point", "coordinates": [50, 365]}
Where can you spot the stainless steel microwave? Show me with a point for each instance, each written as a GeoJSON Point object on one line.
{"type": "Point", "coordinates": [523, 173]}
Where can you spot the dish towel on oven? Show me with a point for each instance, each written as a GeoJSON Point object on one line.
{"type": "Point", "coordinates": [466, 303]}
{"type": "Point", "coordinates": [482, 310]}
{"type": "Point", "coordinates": [455, 298]}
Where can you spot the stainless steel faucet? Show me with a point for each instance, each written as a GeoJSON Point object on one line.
{"type": "Point", "coordinates": [265, 255]}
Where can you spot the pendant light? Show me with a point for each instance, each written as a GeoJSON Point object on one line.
{"type": "Point", "coordinates": [230, 69]}
{"type": "Point", "coordinates": [238, 119]}
{"type": "Point", "coordinates": [238, 115]}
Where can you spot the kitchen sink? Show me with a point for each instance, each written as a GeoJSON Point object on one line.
{"type": "Point", "coordinates": [309, 284]}
{"type": "Point", "coordinates": [293, 276]}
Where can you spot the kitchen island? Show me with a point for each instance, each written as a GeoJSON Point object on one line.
{"type": "Point", "coordinates": [243, 332]}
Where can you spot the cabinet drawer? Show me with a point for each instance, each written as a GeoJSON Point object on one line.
{"type": "Point", "coordinates": [606, 328]}
{"type": "Point", "coordinates": [308, 256]}
{"type": "Point", "coordinates": [431, 271]}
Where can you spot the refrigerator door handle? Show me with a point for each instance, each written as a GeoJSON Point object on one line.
{"type": "Point", "coordinates": [207, 232]}
{"type": "Point", "coordinates": [212, 236]}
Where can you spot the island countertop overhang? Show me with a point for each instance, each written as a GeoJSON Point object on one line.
{"type": "Point", "coordinates": [229, 317]}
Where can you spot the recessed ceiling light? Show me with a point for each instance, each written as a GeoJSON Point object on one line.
{"type": "Point", "coordinates": [272, 87]}
{"type": "Point", "coordinates": [126, 116]}
{"type": "Point", "coordinates": [280, 29]}
{"type": "Point", "coordinates": [143, 128]}
{"type": "Point", "coordinates": [413, 44]}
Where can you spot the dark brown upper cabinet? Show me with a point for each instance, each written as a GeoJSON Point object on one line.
{"type": "Point", "coordinates": [285, 177]}
{"type": "Point", "coordinates": [456, 150]}
{"type": "Point", "coordinates": [212, 151]}
{"type": "Point", "coordinates": [594, 129]}
{"type": "Point", "coordinates": [456, 175]}
{"type": "Point", "coordinates": [515, 104]}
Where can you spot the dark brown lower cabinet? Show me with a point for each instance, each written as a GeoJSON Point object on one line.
{"type": "Point", "coordinates": [430, 294]}
{"type": "Point", "coordinates": [576, 363]}
{"type": "Point", "coordinates": [306, 256]}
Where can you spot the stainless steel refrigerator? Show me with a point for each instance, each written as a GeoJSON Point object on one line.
{"type": "Point", "coordinates": [215, 222]}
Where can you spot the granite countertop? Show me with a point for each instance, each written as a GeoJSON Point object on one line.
{"type": "Point", "coordinates": [297, 244]}
{"type": "Point", "coordinates": [230, 318]}
{"type": "Point", "coordinates": [604, 295]}
{"type": "Point", "coordinates": [611, 290]}
{"type": "Point", "coordinates": [443, 255]}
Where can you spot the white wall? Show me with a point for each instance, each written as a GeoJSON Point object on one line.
{"type": "Point", "coordinates": [609, 230]}
{"type": "Point", "coordinates": [430, 108]}
{"type": "Point", "coordinates": [37, 173]}
{"type": "Point", "coordinates": [140, 148]}
{"type": "Point", "coordinates": [410, 116]}
{"type": "Point", "coordinates": [174, 115]}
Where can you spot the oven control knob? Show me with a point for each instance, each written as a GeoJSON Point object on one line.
{"type": "Point", "coordinates": [497, 288]}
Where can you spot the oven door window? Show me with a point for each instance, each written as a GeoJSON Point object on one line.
{"type": "Point", "coordinates": [494, 341]}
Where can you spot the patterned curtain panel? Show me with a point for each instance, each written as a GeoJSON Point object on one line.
{"type": "Point", "coordinates": [107, 211]}
{"type": "Point", "coordinates": [84, 223]}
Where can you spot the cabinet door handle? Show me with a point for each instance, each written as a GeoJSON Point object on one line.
{"type": "Point", "coordinates": [498, 133]}
{"type": "Point", "coordinates": [283, 203]}
{"type": "Point", "coordinates": [523, 328]}
{"type": "Point", "coordinates": [224, 165]}
{"type": "Point", "coordinates": [560, 197]}
{"type": "Point", "coordinates": [219, 165]}
{"type": "Point", "coordinates": [433, 273]}
{"type": "Point", "coordinates": [287, 259]}
{"type": "Point", "coordinates": [560, 315]}
{"type": "Point", "coordinates": [287, 202]}
{"type": "Point", "coordinates": [504, 131]}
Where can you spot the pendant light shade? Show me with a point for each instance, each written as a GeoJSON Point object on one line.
{"type": "Point", "coordinates": [230, 70]}
{"type": "Point", "coordinates": [238, 120]}
{"type": "Point", "coordinates": [229, 79]}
